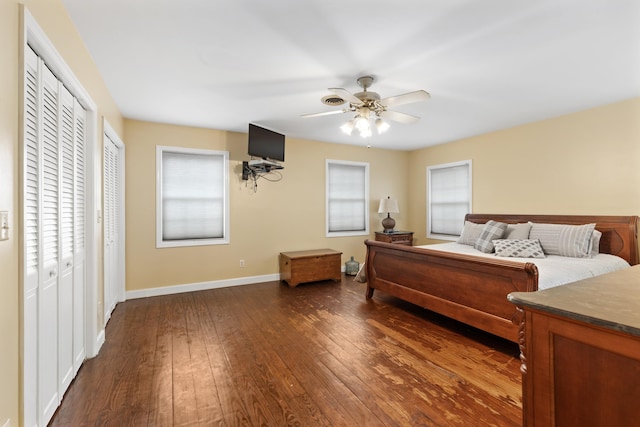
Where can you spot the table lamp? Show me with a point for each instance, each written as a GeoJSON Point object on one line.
{"type": "Point", "coordinates": [388, 206]}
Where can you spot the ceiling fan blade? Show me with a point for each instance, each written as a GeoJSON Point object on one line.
{"type": "Point", "coordinates": [407, 98]}
{"type": "Point", "coordinates": [399, 117]}
{"type": "Point", "coordinates": [325, 113]}
{"type": "Point", "coordinates": [346, 95]}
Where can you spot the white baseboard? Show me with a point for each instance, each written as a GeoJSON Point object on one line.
{"type": "Point", "coordinates": [202, 286]}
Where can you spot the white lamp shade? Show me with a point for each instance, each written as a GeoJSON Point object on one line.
{"type": "Point", "coordinates": [388, 205]}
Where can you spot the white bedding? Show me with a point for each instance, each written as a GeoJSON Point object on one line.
{"type": "Point", "coordinates": [554, 270]}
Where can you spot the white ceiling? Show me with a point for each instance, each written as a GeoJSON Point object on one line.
{"type": "Point", "coordinates": [488, 65]}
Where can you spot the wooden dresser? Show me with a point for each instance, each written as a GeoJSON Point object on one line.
{"type": "Point", "coordinates": [399, 237]}
{"type": "Point", "coordinates": [580, 351]}
{"type": "Point", "coordinates": [310, 266]}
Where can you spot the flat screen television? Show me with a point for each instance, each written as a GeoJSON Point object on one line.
{"type": "Point", "coordinates": [265, 143]}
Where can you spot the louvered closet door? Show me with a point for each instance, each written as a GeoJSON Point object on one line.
{"type": "Point", "coordinates": [48, 294]}
{"type": "Point", "coordinates": [31, 238]}
{"type": "Point", "coordinates": [79, 281]}
{"type": "Point", "coordinates": [66, 227]}
{"type": "Point", "coordinates": [53, 224]}
{"type": "Point", "coordinates": [111, 224]}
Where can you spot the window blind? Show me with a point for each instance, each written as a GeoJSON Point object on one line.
{"type": "Point", "coordinates": [449, 198]}
{"type": "Point", "coordinates": [347, 197]}
{"type": "Point", "coordinates": [193, 196]}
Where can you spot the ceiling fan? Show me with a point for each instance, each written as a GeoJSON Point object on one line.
{"type": "Point", "coordinates": [368, 105]}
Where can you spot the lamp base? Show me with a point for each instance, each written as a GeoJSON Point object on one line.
{"type": "Point", "coordinates": [388, 223]}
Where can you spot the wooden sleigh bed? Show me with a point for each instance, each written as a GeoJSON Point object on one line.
{"type": "Point", "coordinates": [474, 289]}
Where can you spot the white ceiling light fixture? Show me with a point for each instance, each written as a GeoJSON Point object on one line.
{"type": "Point", "coordinates": [368, 105]}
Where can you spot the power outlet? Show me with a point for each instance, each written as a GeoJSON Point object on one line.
{"type": "Point", "coordinates": [241, 263]}
{"type": "Point", "coordinates": [4, 225]}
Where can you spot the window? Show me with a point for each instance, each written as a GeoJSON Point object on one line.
{"type": "Point", "coordinates": [192, 190]}
{"type": "Point", "coordinates": [448, 199]}
{"type": "Point", "coordinates": [347, 198]}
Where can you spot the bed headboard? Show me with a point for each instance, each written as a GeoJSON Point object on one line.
{"type": "Point", "coordinates": [619, 233]}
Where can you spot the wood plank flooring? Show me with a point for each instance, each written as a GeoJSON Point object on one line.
{"type": "Point", "coordinates": [315, 355]}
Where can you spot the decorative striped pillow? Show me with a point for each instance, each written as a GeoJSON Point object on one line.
{"type": "Point", "coordinates": [565, 240]}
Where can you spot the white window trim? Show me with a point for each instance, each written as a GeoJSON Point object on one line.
{"type": "Point", "coordinates": [160, 243]}
{"type": "Point", "coordinates": [431, 235]}
{"type": "Point", "coordinates": [364, 232]}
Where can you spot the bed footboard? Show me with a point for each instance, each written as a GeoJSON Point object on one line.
{"type": "Point", "coordinates": [469, 289]}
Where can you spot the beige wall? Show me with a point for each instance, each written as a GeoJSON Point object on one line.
{"type": "Point", "coordinates": [280, 216]}
{"type": "Point", "coordinates": [53, 19]}
{"type": "Point", "coordinates": [9, 202]}
{"type": "Point", "coordinates": [582, 163]}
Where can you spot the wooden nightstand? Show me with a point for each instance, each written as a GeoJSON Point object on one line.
{"type": "Point", "coordinates": [399, 237]}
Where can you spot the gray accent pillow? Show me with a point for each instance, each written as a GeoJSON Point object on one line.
{"type": "Point", "coordinates": [564, 240]}
{"type": "Point", "coordinates": [518, 231]}
{"type": "Point", "coordinates": [595, 242]}
{"type": "Point", "coordinates": [492, 230]}
{"type": "Point", "coordinates": [470, 233]}
{"type": "Point", "coordinates": [518, 248]}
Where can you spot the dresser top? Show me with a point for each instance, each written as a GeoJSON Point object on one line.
{"type": "Point", "coordinates": [611, 301]}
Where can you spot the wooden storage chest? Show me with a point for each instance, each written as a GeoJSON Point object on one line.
{"type": "Point", "coordinates": [310, 266]}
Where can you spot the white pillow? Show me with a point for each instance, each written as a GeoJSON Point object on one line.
{"type": "Point", "coordinates": [470, 233]}
{"type": "Point", "coordinates": [565, 240]}
{"type": "Point", "coordinates": [518, 248]}
{"type": "Point", "coordinates": [518, 231]}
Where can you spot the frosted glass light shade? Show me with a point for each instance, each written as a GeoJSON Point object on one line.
{"type": "Point", "coordinates": [381, 125]}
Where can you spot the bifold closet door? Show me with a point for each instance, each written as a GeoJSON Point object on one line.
{"type": "Point", "coordinates": [111, 225]}
{"type": "Point", "coordinates": [49, 396]}
{"type": "Point", "coordinates": [71, 226]}
{"type": "Point", "coordinates": [53, 241]}
{"type": "Point", "coordinates": [31, 237]}
{"type": "Point", "coordinates": [79, 257]}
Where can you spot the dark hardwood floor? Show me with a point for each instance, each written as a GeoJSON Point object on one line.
{"type": "Point", "coordinates": [315, 355]}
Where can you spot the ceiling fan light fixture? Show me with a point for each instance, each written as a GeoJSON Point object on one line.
{"type": "Point", "coordinates": [381, 125]}
{"type": "Point", "coordinates": [369, 107]}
